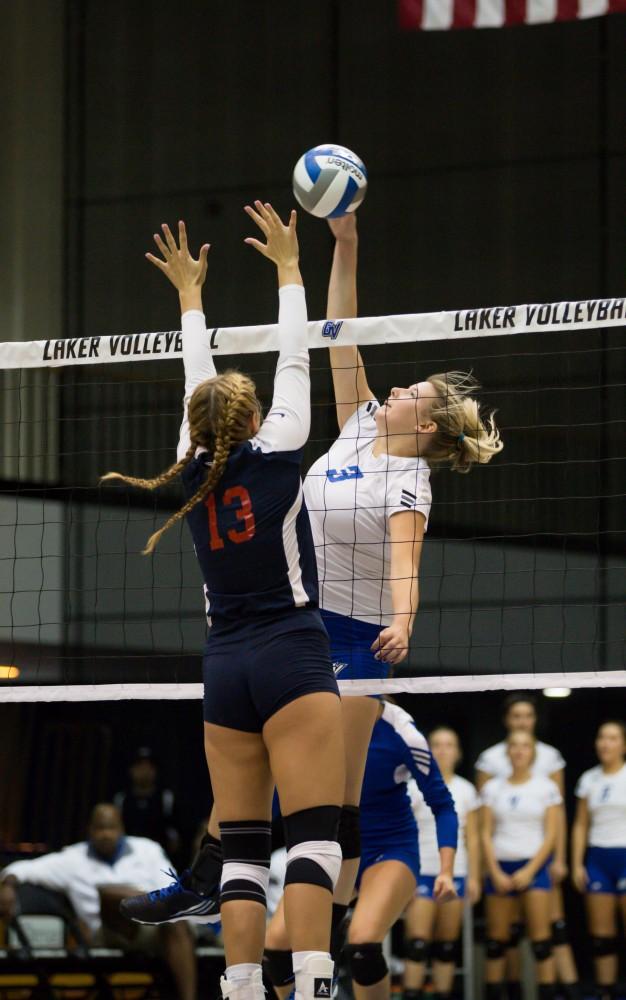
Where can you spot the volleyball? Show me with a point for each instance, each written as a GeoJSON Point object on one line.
{"type": "Point", "coordinates": [329, 181]}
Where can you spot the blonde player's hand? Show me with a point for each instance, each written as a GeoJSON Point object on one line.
{"type": "Point", "coordinates": [443, 890]}
{"type": "Point", "coordinates": [178, 266]}
{"type": "Point", "coordinates": [392, 644]}
{"type": "Point", "coordinates": [344, 228]}
{"type": "Point", "coordinates": [282, 241]}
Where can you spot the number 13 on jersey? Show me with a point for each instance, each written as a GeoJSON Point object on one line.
{"type": "Point", "coordinates": [238, 498]}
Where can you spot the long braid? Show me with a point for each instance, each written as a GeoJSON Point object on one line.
{"type": "Point", "coordinates": [231, 400]}
{"type": "Point", "coordinates": [153, 484]}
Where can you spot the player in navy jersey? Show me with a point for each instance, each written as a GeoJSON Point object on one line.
{"type": "Point", "coordinates": [599, 852]}
{"type": "Point", "coordinates": [369, 501]}
{"type": "Point", "coordinates": [390, 862]}
{"type": "Point", "coordinates": [271, 706]}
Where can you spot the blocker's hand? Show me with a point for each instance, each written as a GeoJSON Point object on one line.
{"type": "Point", "coordinates": [178, 265]}
{"type": "Point", "coordinates": [344, 228]}
{"type": "Point", "coordinates": [392, 644]}
{"type": "Point", "coordinates": [282, 241]}
{"type": "Point", "coordinates": [443, 890]}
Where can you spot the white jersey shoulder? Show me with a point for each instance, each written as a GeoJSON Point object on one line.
{"type": "Point", "coordinates": [404, 725]}
{"type": "Point", "coordinates": [495, 760]}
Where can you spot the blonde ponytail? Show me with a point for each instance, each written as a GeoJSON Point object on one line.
{"type": "Point", "coordinates": [464, 436]}
{"type": "Point", "coordinates": [219, 415]}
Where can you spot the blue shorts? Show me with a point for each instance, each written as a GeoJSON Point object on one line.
{"type": "Point", "coordinates": [541, 880]}
{"type": "Point", "coordinates": [251, 669]}
{"type": "Point", "coordinates": [426, 886]}
{"type": "Point", "coordinates": [403, 850]}
{"type": "Point", "coordinates": [350, 645]}
{"type": "Point", "coordinates": [606, 870]}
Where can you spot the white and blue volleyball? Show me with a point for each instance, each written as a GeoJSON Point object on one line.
{"type": "Point", "coordinates": [329, 181]}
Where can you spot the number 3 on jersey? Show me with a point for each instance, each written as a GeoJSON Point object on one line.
{"type": "Point", "coordinates": [235, 495]}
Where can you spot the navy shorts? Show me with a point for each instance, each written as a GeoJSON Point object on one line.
{"type": "Point", "coordinates": [606, 870]}
{"type": "Point", "coordinates": [350, 644]}
{"type": "Point", "coordinates": [251, 669]}
{"type": "Point", "coordinates": [541, 880]}
{"type": "Point", "coordinates": [406, 852]}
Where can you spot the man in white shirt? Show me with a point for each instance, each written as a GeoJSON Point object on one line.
{"type": "Point", "coordinates": [95, 875]}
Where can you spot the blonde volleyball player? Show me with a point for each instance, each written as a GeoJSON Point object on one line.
{"type": "Point", "coordinates": [599, 852]}
{"type": "Point", "coordinates": [271, 705]}
{"type": "Point", "coordinates": [431, 929]}
{"type": "Point", "coordinates": [520, 816]}
{"type": "Point", "coordinates": [369, 501]}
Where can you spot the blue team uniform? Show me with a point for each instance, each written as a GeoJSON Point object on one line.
{"type": "Point", "coordinates": [267, 645]}
{"type": "Point", "coordinates": [398, 751]}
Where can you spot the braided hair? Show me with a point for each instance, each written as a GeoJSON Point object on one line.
{"type": "Point", "coordinates": [219, 414]}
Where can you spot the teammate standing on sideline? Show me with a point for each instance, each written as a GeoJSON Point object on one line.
{"type": "Point", "coordinates": [519, 823]}
{"type": "Point", "coordinates": [599, 851]}
{"type": "Point", "coordinates": [520, 712]}
{"type": "Point", "coordinates": [369, 500]}
{"type": "Point", "coordinates": [271, 706]}
{"type": "Point", "coordinates": [424, 921]}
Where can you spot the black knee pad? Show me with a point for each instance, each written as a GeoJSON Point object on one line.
{"type": "Point", "coordinates": [495, 949]}
{"type": "Point", "coordinates": [542, 950]}
{"type": "Point", "coordinates": [416, 949]}
{"type": "Point", "coordinates": [445, 951]}
{"type": "Point", "coordinates": [513, 990]}
{"type": "Point", "coordinates": [493, 991]}
{"type": "Point", "coordinates": [367, 963]}
{"type": "Point", "coordinates": [313, 853]}
{"type": "Point", "coordinates": [602, 947]}
{"type": "Point", "coordinates": [338, 929]}
{"type": "Point", "coordinates": [278, 966]}
{"type": "Point", "coordinates": [559, 933]}
{"type": "Point", "coordinates": [206, 869]}
{"type": "Point", "coordinates": [349, 835]}
{"type": "Point", "coordinates": [545, 991]}
{"type": "Point", "coordinates": [247, 846]}
{"type": "Point", "coordinates": [516, 934]}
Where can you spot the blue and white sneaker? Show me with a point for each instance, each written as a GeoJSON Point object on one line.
{"type": "Point", "coordinates": [177, 901]}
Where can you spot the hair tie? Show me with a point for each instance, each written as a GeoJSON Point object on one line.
{"type": "Point", "coordinates": [460, 439]}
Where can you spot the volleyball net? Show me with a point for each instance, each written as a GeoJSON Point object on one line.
{"type": "Point", "coordinates": [523, 569]}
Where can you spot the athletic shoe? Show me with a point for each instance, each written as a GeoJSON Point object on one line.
{"type": "Point", "coordinates": [177, 901]}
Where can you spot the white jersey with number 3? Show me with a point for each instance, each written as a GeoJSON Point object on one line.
{"type": "Point", "coordinates": [350, 495]}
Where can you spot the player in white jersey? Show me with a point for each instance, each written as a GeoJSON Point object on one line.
{"type": "Point", "coordinates": [519, 712]}
{"type": "Point", "coordinates": [431, 929]}
{"type": "Point", "coordinates": [520, 817]}
{"type": "Point", "coordinates": [369, 501]}
{"type": "Point", "coordinates": [599, 851]}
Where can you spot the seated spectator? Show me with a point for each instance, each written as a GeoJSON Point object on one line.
{"type": "Point", "coordinates": [95, 875]}
{"type": "Point", "coordinates": [148, 809]}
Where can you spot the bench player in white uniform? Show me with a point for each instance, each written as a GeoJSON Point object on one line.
{"type": "Point", "coordinates": [520, 817]}
{"type": "Point", "coordinates": [369, 502]}
{"type": "Point", "coordinates": [599, 851]}
{"type": "Point", "coordinates": [519, 712]}
{"type": "Point", "coordinates": [432, 930]}
{"type": "Point", "coordinates": [271, 705]}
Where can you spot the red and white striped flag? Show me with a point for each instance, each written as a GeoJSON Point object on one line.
{"type": "Point", "coordinates": [438, 15]}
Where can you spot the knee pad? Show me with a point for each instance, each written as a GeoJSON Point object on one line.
{"type": "Point", "coordinates": [542, 950]}
{"type": "Point", "coordinates": [367, 963]}
{"type": "Point", "coordinates": [559, 933]}
{"type": "Point", "coordinates": [313, 853]}
{"type": "Point", "coordinates": [247, 846]}
{"type": "Point", "coordinates": [278, 967]}
{"type": "Point", "coordinates": [601, 947]}
{"type": "Point", "coordinates": [416, 949]}
{"type": "Point", "coordinates": [495, 949]}
{"type": "Point", "coordinates": [338, 930]}
{"type": "Point", "coordinates": [349, 833]}
{"type": "Point", "coordinates": [515, 936]}
{"type": "Point", "coordinates": [446, 951]}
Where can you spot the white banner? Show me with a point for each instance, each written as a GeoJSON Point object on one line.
{"type": "Point", "coordinates": [495, 321]}
{"type": "Point", "coordinates": [394, 685]}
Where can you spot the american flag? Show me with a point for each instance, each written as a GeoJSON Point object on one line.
{"type": "Point", "coordinates": [437, 15]}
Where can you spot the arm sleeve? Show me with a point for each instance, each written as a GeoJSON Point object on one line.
{"type": "Point", "coordinates": [436, 793]}
{"type": "Point", "coordinates": [287, 425]}
{"type": "Point", "coordinates": [52, 871]}
{"type": "Point", "coordinates": [199, 366]}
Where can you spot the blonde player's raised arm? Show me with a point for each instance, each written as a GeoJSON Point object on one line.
{"type": "Point", "coordinates": [349, 376]}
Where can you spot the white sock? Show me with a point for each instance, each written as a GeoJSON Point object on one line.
{"type": "Point", "coordinates": [241, 973]}
{"type": "Point", "coordinates": [298, 958]}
